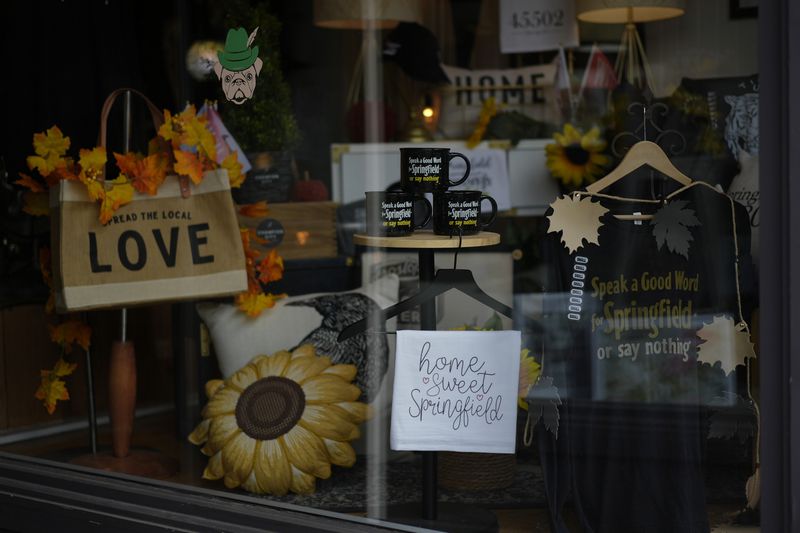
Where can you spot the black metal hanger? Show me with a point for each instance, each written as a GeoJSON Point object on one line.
{"type": "Point", "coordinates": [445, 279]}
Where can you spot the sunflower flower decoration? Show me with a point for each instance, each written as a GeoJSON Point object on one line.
{"type": "Point", "coordinates": [280, 422]}
{"type": "Point", "coordinates": [577, 159]}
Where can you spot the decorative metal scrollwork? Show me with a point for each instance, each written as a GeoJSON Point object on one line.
{"type": "Point", "coordinates": [671, 141]}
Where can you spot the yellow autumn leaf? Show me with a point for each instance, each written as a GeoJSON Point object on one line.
{"type": "Point", "coordinates": [118, 193]}
{"type": "Point", "coordinates": [51, 390]}
{"type": "Point", "coordinates": [93, 162]}
{"type": "Point", "coordinates": [36, 203]}
{"type": "Point", "coordinates": [253, 303]}
{"type": "Point", "coordinates": [46, 165]}
{"type": "Point", "coordinates": [29, 183]}
{"type": "Point", "coordinates": [49, 142]}
{"type": "Point", "coordinates": [67, 333]}
{"type": "Point", "coordinates": [167, 129]}
{"type": "Point", "coordinates": [95, 188]}
{"type": "Point", "coordinates": [62, 368]}
{"type": "Point", "coordinates": [187, 164]}
{"type": "Point", "coordinates": [197, 134]}
{"type": "Point", "coordinates": [234, 168]}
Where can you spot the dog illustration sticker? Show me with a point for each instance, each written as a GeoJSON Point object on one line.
{"type": "Point", "coordinates": [238, 66]}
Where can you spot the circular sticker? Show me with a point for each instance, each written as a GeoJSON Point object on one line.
{"type": "Point", "coordinates": [271, 231]}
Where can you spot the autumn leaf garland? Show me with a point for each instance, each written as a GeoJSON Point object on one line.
{"type": "Point", "coordinates": [184, 146]}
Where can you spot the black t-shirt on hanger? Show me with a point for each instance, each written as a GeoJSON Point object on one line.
{"type": "Point", "coordinates": [621, 343]}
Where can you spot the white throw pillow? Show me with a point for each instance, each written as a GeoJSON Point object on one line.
{"type": "Point", "coordinates": [315, 318]}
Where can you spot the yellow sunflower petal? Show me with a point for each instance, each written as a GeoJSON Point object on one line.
{"type": "Point", "coordinates": [272, 469]}
{"type": "Point", "coordinates": [306, 350]}
{"type": "Point", "coordinates": [221, 430]}
{"type": "Point", "coordinates": [356, 411]}
{"type": "Point", "coordinates": [200, 433]}
{"type": "Point", "coordinates": [251, 485]}
{"type": "Point", "coordinates": [326, 388]}
{"type": "Point", "coordinates": [273, 365]}
{"type": "Point", "coordinates": [307, 452]}
{"type": "Point", "coordinates": [328, 423]}
{"type": "Point", "coordinates": [244, 377]}
{"type": "Point", "coordinates": [346, 372]}
{"type": "Point", "coordinates": [572, 134]}
{"type": "Point", "coordinates": [213, 386]}
{"type": "Point", "coordinates": [237, 456]}
{"type": "Point", "coordinates": [230, 481]}
{"type": "Point", "coordinates": [222, 403]}
{"type": "Point", "coordinates": [302, 483]}
{"type": "Point", "coordinates": [341, 453]}
{"type": "Point", "coordinates": [301, 369]}
{"type": "Point", "coordinates": [214, 469]}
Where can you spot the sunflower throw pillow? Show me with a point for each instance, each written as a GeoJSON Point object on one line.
{"type": "Point", "coordinates": [280, 422]}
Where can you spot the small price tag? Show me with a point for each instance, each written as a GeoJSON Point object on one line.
{"type": "Point", "coordinates": [537, 25]}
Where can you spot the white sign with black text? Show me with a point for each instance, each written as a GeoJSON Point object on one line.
{"type": "Point", "coordinates": [488, 173]}
{"type": "Point", "coordinates": [537, 25]}
{"type": "Point", "coordinates": [456, 391]}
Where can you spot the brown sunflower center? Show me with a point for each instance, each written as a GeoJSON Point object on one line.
{"type": "Point", "coordinates": [270, 407]}
{"type": "Point", "coordinates": [576, 154]}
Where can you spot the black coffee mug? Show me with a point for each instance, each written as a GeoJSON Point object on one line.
{"type": "Point", "coordinates": [455, 211]}
{"type": "Point", "coordinates": [428, 169]}
{"type": "Point", "coordinates": [392, 213]}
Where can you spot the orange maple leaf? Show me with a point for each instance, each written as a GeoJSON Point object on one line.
{"type": "Point", "coordinates": [119, 194]}
{"type": "Point", "coordinates": [29, 183]}
{"type": "Point", "coordinates": [45, 266]}
{"type": "Point", "coordinates": [271, 267]}
{"type": "Point", "coordinates": [36, 203]}
{"type": "Point", "coordinates": [69, 170]}
{"type": "Point", "coordinates": [234, 168]}
{"type": "Point", "coordinates": [67, 333]}
{"type": "Point", "coordinates": [256, 210]}
{"type": "Point", "coordinates": [188, 164]}
{"type": "Point", "coordinates": [148, 172]}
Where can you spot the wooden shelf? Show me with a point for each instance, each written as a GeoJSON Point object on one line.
{"type": "Point", "coordinates": [427, 239]}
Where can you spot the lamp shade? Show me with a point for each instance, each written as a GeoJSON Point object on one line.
{"type": "Point", "coordinates": [622, 11]}
{"type": "Point", "coordinates": [355, 14]}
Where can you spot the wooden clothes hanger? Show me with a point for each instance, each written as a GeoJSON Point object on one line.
{"type": "Point", "coordinates": [640, 154]}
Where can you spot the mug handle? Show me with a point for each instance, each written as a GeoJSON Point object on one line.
{"type": "Point", "coordinates": [466, 174]}
{"type": "Point", "coordinates": [429, 213]}
{"type": "Point", "coordinates": [482, 223]}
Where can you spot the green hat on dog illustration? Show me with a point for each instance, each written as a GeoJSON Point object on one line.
{"type": "Point", "coordinates": [238, 65]}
